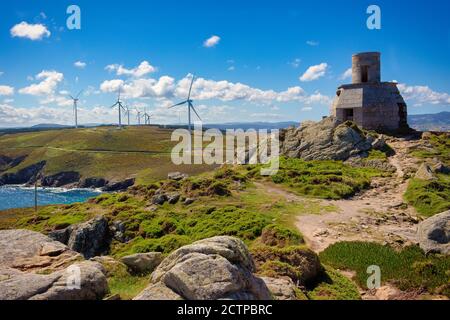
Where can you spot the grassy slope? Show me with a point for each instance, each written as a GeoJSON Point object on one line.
{"type": "Point", "coordinates": [408, 269]}
{"type": "Point", "coordinates": [432, 197]}
{"type": "Point", "coordinates": [142, 152]}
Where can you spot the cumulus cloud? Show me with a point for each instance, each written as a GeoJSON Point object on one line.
{"type": "Point", "coordinates": [30, 31]}
{"type": "Point", "coordinates": [314, 72]}
{"type": "Point", "coordinates": [211, 42]}
{"type": "Point", "coordinates": [420, 95]}
{"type": "Point", "coordinates": [346, 75]}
{"type": "Point", "coordinates": [47, 86]}
{"type": "Point", "coordinates": [6, 91]}
{"type": "Point", "coordinates": [80, 64]}
{"type": "Point", "coordinates": [203, 89]}
{"type": "Point", "coordinates": [143, 69]}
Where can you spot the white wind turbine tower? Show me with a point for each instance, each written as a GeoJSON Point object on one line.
{"type": "Point", "coordinates": [75, 107]}
{"type": "Point", "coordinates": [120, 107]}
{"type": "Point", "coordinates": [127, 113]}
{"type": "Point", "coordinates": [190, 105]}
{"type": "Point", "coordinates": [147, 118]}
{"type": "Point", "coordinates": [139, 115]}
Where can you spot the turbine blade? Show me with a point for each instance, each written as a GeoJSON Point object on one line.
{"type": "Point", "coordinates": [195, 112]}
{"type": "Point", "coordinates": [79, 94]}
{"type": "Point", "coordinates": [114, 105]}
{"type": "Point", "coordinates": [190, 88]}
{"type": "Point", "coordinates": [178, 104]}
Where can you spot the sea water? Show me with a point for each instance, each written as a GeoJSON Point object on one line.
{"type": "Point", "coordinates": [22, 197]}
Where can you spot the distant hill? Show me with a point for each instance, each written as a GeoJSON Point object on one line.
{"type": "Point", "coordinates": [430, 122]}
{"type": "Point", "coordinates": [252, 125]}
{"type": "Point", "coordinates": [49, 126]}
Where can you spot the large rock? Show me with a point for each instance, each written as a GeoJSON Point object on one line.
{"type": "Point", "coordinates": [118, 186]}
{"type": "Point", "coordinates": [35, 267]}
{"type": "Point", "coordinates": [60, 179]}
{"type": "Point", "coordinates": [210, 269]}
{"type": "Point", "coordinates": [434, 234]}
{"type": "Point", "coordinates": [93, 183]}
{"type": "Point", "coordinates": [91, 238]}
{"type": "Point", "coordinates": [143, 262]}
{"type": "Point", "coordinates": [328, 139]}
{"type": "Point", "coordinates": [23, 176]}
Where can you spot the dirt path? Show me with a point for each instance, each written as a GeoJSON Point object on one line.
{"type": "Point", "coordinates": [378, 214]}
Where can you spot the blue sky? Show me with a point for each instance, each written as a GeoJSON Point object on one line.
{"type": "Point", "coordinates": [255, 68]}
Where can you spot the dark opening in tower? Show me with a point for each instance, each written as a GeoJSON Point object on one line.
{"type": "Point", "coordinates": [364, 74]}
{"type": "Point", "coordinates": [348, 114]}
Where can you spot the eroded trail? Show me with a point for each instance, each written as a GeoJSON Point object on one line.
{"type": "Point", "coordinates": [378, 214]}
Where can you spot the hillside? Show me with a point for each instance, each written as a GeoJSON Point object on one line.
{"type": "Point", "coordinates": [142, 153]}
{"type": "Point", "coordinates": [430, 122]}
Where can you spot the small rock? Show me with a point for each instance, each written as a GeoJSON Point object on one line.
{"type": "Point", "coordinates": [188, 201]}
{"type": "Point", "coordinates": [173, 198]}
{"type": "Point", "coordinates": [159, 199]}
{"type": "Point", "coordinates": [321, 233]}
{"type": "Point", "coordinates": [143, 262]}
{"type": "Point", "coordinates": [281, 289]}
{"type": "Point", "coordinates": [425, 173]}
{"type": "Point", "coordinates": [176, 176]}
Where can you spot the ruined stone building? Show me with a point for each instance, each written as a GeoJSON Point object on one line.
{"type": "Point", "coordinates": [370, 103]}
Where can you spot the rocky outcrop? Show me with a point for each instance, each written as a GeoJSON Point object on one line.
{"type": "Point", "coordinates": [434, 234]}
{"type": "Point", "coordinates": [94, 183]}
{"type": "Point", "coordinates": [119, 186]}
{"type": "Point", "coordinates": [35, 267]}
{"type": "Point", "coordinates": [328, 139]}
{"type": "Point", "coordinates": [91, 238]}
{"type": "Point", "coordinates": [143, 262]}
{"type": "Point", "coordinates": [215, 268]}
{"type": "Point", "coordinates": [23, 176]}
{"type": "Point", "coordinates": [60, 179]}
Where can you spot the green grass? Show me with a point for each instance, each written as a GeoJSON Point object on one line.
{"type": "Point", "coordinates": [429, 197]}
{"type": "Point", "coordinates": [440, 148]}
{"type": "Point", "coordinates": [324, 179]}
{"type": "Point", "coordinates": [139, 152]}
{"type": "Point", "coordinates": [334, 286]}
{"type": "Point", "coordinates": [409, 269]}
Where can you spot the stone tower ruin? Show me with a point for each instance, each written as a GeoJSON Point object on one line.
{"type": "Point", "coordinates": [370, 103]}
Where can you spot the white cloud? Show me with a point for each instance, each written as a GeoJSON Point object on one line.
{"type": "Point", "coordinates": [203, 89]}
{"type": "Point", "coordinates": [211, 42]}
{"type": "Point", "coordinates": [314, 72]}
{"type": "Point", "coordinates": [419, 95]}
{"type": "Point", "coordinates": [47, 86]}
{"type": "Point", "coordinates": [143, 69]}
{"type": "Point", "coordinates": [312, 43]}
{"type": "Point", "coordinates": [231, 68]}
{"type": "Point", "coordinates": [80, 64]}
{"type": "Point", "coordinates": [346, 75]}
{"type": "Point", "coordinates": [307, 108]}
{"type": "Point", "coordinates": [6, 91]}
{"type": "Point", "coordinates": [1, 73]}
{"type": "Point", "coordinates": [295, 63]}
{"type": "Point", "coordinates": [30, 31]}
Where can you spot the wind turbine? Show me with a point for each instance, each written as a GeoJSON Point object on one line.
{"type": "Point", "coordinates": [120, 108]}
{"type": "Point", "coordinates": [75, 107]}
{"type": "Point", "coordinates": [190, 105]}
{"type": "Point", "coordinates": [139, 113]}
{"type": "Point", "coordinates": [127, 112]}
{"type": "Point", "coordinates": [147, 118]}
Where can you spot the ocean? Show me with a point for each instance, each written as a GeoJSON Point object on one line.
{"type": "Point", "coordinates": [21, 197]}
